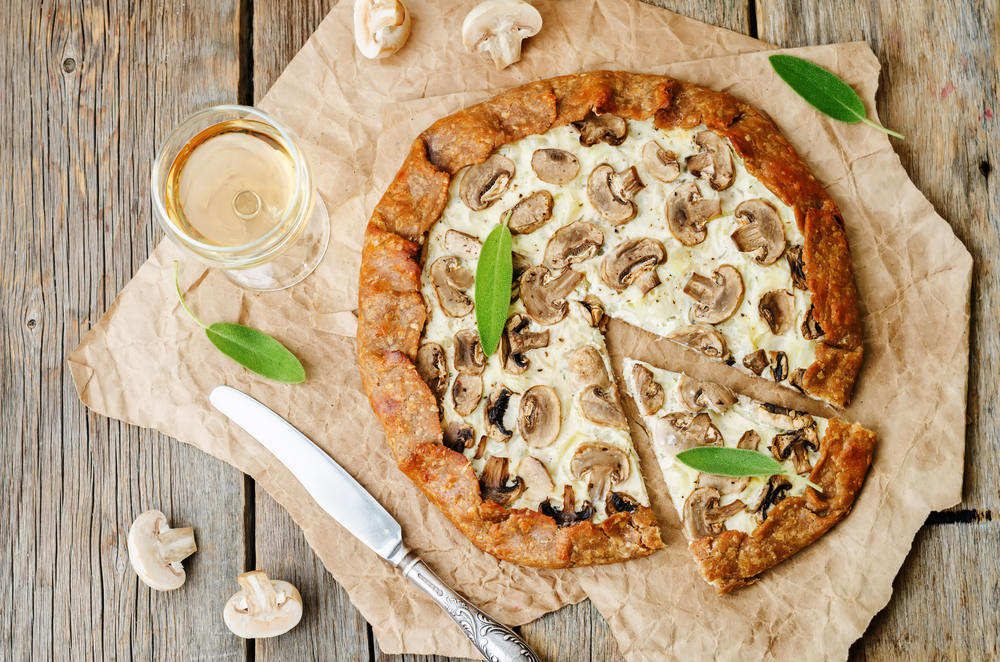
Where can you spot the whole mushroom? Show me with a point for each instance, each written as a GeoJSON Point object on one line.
{"type": "Point", "coordinates": [381, 27]}
{"type": "Point", "coordinates": [263, 608]}
{"type": "Point", "coordinates": [156, 551]}
{"type": "Point", "coordinates": [498, 27]}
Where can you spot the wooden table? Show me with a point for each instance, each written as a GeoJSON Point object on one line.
{"type": "Point", "coordinates": [87, 92]}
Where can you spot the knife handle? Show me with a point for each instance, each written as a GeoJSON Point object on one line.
{"type": "Point", "coordinates": [496, 641]}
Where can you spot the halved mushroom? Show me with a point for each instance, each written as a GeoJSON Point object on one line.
{"type": "Point", "coordinates": [607, 128]}
{"type": "Point", "coordinates": [601, 465]}
{"type": "Point", "coordinates": [688, 214]}
{"type": "Point", "coordinates": [704, 517]}
{"type": "Point", "coordinates": [776, 489]}
{"type": "Point", "coordinates": [544, 297]}
{"type": "Point", "coordinates": [680, 431]}
{"type": "Point", "coordinates": [484, 183]}
{"type": "Point", "coordinates": [633, 261]}
{"type": "Point", "coordinates": [493, 483]}
{"type": "Point", "coordinates": [601, 406]}
{"type": "Point", "coordinates": [725, 484]}
{"type": "Point", "coordinates": [715, 161]}
{"type": "Point", "coordinates": [540, 416]}
{"type": "Point", "coordinates": [619, 502]}
{"type": "Point", "coordinates": [779, 366]}
{"type": "Point", "coordinates": [587, 368]}
{"type": "Point", "coordinates": [660, 163]}
{"type": "Point", "coordinates": [648, 392]}
{"type": "Point", "coordinates": [696, 395]}
{"type": "Point", "coordinates": [777, 309]}
{"type": "Point", "coordinates": [567, 515]}
{"type": "Point", "coordinates": [756, 362]}
{"type": "Point", "coordinates": [555, 166]}
{"type": "Point", "coordinates": [498, 27]}
{"type": "Point", "coordinates": [381, 27]}
{"type": "Point", "coordinates": [432, 366]}
{"type": "Point", "coordinates": [701, 338]}
{"type": "Point", "coordinates": [458, 436]}
{"type": "Point", "coordinates": [516, 340]}
{"type": "Point", "coordinates": [495, 411]}
{"type": "Point", "coordinates": [263, 608]}
{"type": "Point", "coordinates": [594, 308]}
{"type": "Point", "coordinates": [780, 417]}
{"type": "Point", "coordinates": [811, 330]}
{"type": "Point", "coordinates": [156, 551]}
{"type": "Point", "coordinates": [461, 244]}
{"type": "Point", "coordinates": [611, 192]}
{"type": "Point", "coordinates": [760, 231]}
{"type": "Point", "coordinates": [797, 266]}
{"type": "Point", "coordinates": [536, 478]}
{"type": "Point", "coordinates": [449, 278]}
{"type": "Point", "coordinates": [573, 243]}
{"type": "Point", "coordinates": [469, 357]}
{"type": "Point", "coordinates": [530, 213]}
{"type": "Point", "coordinates": [796, 445]}
{"type": "Point", "coordinates": [718, 297]}
{"type": "Point", "coordinates": [466, 393]}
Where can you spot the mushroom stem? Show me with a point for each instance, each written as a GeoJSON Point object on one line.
{"type": "Point", "coordinates": [261, 598]}
{"type": "Point", "coordinates": [177, 544]}
{"type": "Point", "coordinates": [505, 48]}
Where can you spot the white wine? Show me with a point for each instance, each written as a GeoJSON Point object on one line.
{"type": "Point", "coordinates": [231, 184]}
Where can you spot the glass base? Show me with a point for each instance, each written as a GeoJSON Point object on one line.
{"type": "Point", "coordinates": [292, 266]}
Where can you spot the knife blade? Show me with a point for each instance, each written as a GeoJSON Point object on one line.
{"type": "Point", "coordinates": [345, 500]}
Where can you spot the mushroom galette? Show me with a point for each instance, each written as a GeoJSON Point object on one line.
{"type": "Point", "coordinates": [670, 207]}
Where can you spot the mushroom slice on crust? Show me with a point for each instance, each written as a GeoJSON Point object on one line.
{"type": "Point", "coordinates": [680, 431]}
{"type": "Point", "coordinates": [703, 516]}
{"type": "Point", "coordinates": [466, 393]}
{"type": "Point", "coordinates": [484, 183]}
{"type": "Point", "coordinates": [718, 297]}
{"type": "Point", "coordinates": [688, 214]}
{"type": "Point", "coordinates": [777, 309]}
{"type": "Point", "coordinates": [715, 161]}
{"type": "Point", "coordinates": [648, 392]}
{"type": "Point", "coordinates": [461, 244]}
{"type": "Point", "coordinates": [530, 214]}
{"type": "Point", "coordinates": [780, 417]}
{"type": "Point", "coordinates": [544, 297]}
{"type": "Point", "coordinates": [757, 362]}
{"type": "Point", "coordinates": [449, 278]}
{"type": "Point", "coordinates": [498, 27]}
{"type": "Point", "coordinates": [776, 489]}
{"type": "Point", "coordinates": [602, 466]}
{"type": "Point", "coordinates": [760, 231]}
{"type": "Point", "coordinates": [696, 395]}
{"type": "Point", "coordinates": [535, 477]}
{"type": "Point", "coordinates": [611, 192]}
{"type": "Point", "coordinates": [600, 406]}
{"type": "Point", "coordinates": [573, 243]}
{"type": "Point", "coordinates": [156, 551]}
{"type": "Point", "coordinates": [555, 166]}
{"type": "Point", "coordinates": [796, 445]}
{"type": "Point", "coordinates": [458, 436]}
{"type": "Point", "coordinates": [493, 483]}
{"type": "Point", "coordinates": [516, 340]}
{"type": "Point", "coordinates": [607, 128]}
{"type": "Point", "coordinates": [587, 368]}
{"type": "Point", "coordinates": [469, 357]}
{"type": "Point", "coordinates": [725, 484]}
{"type": "Point", "coordinates": [811, 330]}
{"type": "Point", "coordinates": [619, 502]}
{"type": "Point", "coordinates": [633, 261]}
{"type": "Point", "coordinates": [567, 516]}
{"type": "Point", "coordinates": [797, 266]}
{"type": "Point", "coordinates": [263, 608]}
{"type": "Point", "coordinates": [660, 163]}
{"type": "Point", "coordinates": [432, 366]}
{"type": "Point", "coordinates": [540, 416]}
{"type": "Point", "coordinates": [495, 411]}
{"type": "Point", "coordinates": [381, 27]}
{"type": "Point", "coordinates": [701, 338]}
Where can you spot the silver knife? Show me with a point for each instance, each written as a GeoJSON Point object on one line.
{"type": "Point", "coordinates": [349, 503]}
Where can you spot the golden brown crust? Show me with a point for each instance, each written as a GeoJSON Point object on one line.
{"type": "Point", "coordinates": [735, 559]}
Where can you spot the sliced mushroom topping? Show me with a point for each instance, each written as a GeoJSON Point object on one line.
{"type": "Point", "coordinates": [535, 477]}
{"type": "Point", "coordinates": [776, 489]}
{"type": "Point", "coordinates": [567, 516]}
{"type": "Point", "coordinates": [521, 263]}
{"type": "Point", "coordinates": [648, 392]}
{"type": "Point", "coordinates": [496, 409]}
{"type": "Point", "coordinates": [796, 445]}
{"type": "Point", "coordinates": [493, 483]}
{"type": "Point", "coordinates": [461, 244]}
{"type": "Point", "coordinates": [601, 406]}
{"type": "Point", "coordinates": [724, 484]}
{"type": "Point", "coordinates": [782, 418]}
{"type": "Point", "coordinates": [796, 379]}
{"type": "Point", "coordinates": [619, 502]}
{"type": "Point", "coordinates": [458, 436]}
{"type": "Point", "coordinates": [660, 163]}
{"type": "Point", "coordinates": [680, 431]}
{"type": "Point", "coordinates": [797, 266]}
{"type": "Point", "coordinates": [484, 183]}
{"type": "Point", "coordinates": [715, 161]}
{"type": "Point", "coordinates": [540, 416]}
{"type": "Point", "coordinates": [432, 366]}
{"type": "Point", "coordinates": [607, 128]}
{"type": "Point", "coordinates": [595, 308]}
{"type": "Point", "coordinates": [811, 330]}
{"type": "Point", "coordinates": [701, 338]}
{"type": "Point", "coordinates": [696, 395]}
{"type": "Point", "coordinates": [449, 278]}
{"type": "Point", "coordinates": [544, 297]}
{"type": "Point", "coordinates": [777, 309]}
{"type": "Point", "coordinates": [469, 357]}
{"type": "Point", "coordinates": [704, 517]}
{"type": "Point", "coordinates": [779, 366]}
{"type": "Point", "coordinates": [611, 192]}
{"type": "Point", "coordinates": [749, 441]}
{"type": "Point", "coordinates": [516, 340]}
{"type": "Point", "coordinates": [586, 368]}
{"type": "Point", "coordinates": [573, 243]}
{"type": "Point", "coordinates": [718, 297]}
{"type": "Point", "coordinates": [760, 231]}
{"type": "Point", "coordinates": [555, 166]}
{"type": "Point", "coordinates": [633, 261]}
{"type": "Point", "coordinates": [466, 393]}
{"type": "Point", "coordinates": [601, 465]}
{"type": "Point", "coordinates": [688, 214]}
{"type": "Point", "coordinates": [757, 362]}
{"type": "Point", "coordinates": [530, 214]}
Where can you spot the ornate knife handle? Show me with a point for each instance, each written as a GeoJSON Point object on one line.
{"type": "Point", "coordinates": [496, 641]}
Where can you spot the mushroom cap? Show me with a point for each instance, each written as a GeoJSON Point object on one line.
{"type": "Point", "coordinates": [381, 27]}
{"type": "Point", "coordinates": [715, 161]}
{"type": "Point", "coordinates": [484, 183]}
{"type": "Point", "coordinates": [633, 261]}
{"type": "Point", "coordinates": [688, 214]}
{"type": "Point", "coordinates": [449, 278]}
{"type": "Point", "coordinates": [600, 406]}
{"type": "Point", "coordinates": [263, 608]}
{"type": "Point", "coordinates": [761, 232]}
{"type": "Point", "coordinates": [536, 478]}
{"type": "Point", "coordinates": [780, 417]}
{"type": "Point", "coordinates": [606, 127]}
{"type": "Point", "coordinates": [432, 366]}
{"type": "Point", "coordinates": [701, 338]}
{"type": "Point", "coordinates": [156, 551]}
{"type": "Point", "coordinates": [680, 431]}
{"type": "Point", "coordinates": [466, 393]}
{"type": "Point", "coordinates": [463, 245]}
{"type": "Point", "coordinates": [469, 357]}
{"type": "Point", "coordinates": [660, 163]}
{"type": "Point", "coordinates": [544, 297]}
{"type": "Point", "coordinates": [777, 309]}
{"type": "Point", "coordinates": [530, 213]}
{"type": "Point", "coordinates": [555, 166]}
{"type": "Point", "coordinates": [540, 416]}
{"type": "Point", "coordinates": [611, 192]}
{"type": "Point", "coordinates": [573, 243]}
{"type": "Point", "coordinates": [516, 340]}
{"type": "Point", "coordinates": [493, 483]}
{"type": "Point", "coordinates": [648, 392]}
{"type": "Point", "coordinates": [587, 368]}
{"type": "Point", "coordinates": [696, 395]}
{"type": "Point", "coordinates": [498, 27]}
{"type": "Point", "coordinates": [603, 465]}
{"type": "Point", "coordinates": [495, 411]}
{"type": "Point", "coordinates": [718, 297]}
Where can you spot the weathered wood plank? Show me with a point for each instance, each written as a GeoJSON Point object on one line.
{"type": "Point", "coordinates": [279, 31]}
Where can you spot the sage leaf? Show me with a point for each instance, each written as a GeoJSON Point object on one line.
{"type": "Point", "coordinates": [735, 463]}
{"type": "Point", "coordinates": [494, 276]}
{"type": "Point", "coordinates": [823, 90]}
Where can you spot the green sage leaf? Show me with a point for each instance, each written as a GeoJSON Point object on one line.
{"type": "Point", "coordinates": [823, 90]}
{"type": "Point", "coordinates": [736, 463]}
{"type": "Point", "coordinates": [494, 276]}
{"type": "Point", "coordinates": [256, 351]}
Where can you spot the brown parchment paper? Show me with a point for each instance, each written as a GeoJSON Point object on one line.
{"type": "Point", "coordinates": [146, 364]}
